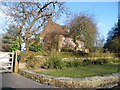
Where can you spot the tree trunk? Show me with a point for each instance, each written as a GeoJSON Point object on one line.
{"type": "Point", "coordinates": [27, 45]}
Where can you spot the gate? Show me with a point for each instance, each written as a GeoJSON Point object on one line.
{"type": "Point", "coordinates": [6, 61]}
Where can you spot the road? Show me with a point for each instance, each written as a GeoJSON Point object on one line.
{"type": "Point", "coordinates": [14, 80]}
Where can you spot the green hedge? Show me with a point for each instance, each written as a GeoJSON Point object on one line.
{"type": "Point", "coordinates": [102, 55]}
{"type": "Point", "coordinates": [36, 47]}
{"type": "Point", "coordinates": [75, 63]}
{"type": "Point", "coordinates": [54, 62]}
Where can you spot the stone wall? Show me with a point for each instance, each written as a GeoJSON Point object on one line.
{"type": "Point", "coordinates": [66, 82]}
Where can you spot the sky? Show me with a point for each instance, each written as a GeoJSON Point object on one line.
{"type": "Point", "coordinates": [105, 14]}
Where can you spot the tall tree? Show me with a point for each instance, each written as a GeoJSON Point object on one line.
{"type": "Point", "coordinates": [11, 34]}
{"type": "Point", "coordinates": [31, 17]}
{"type": "Point", "coordinates": [113, 41]}
{"type": "Point", "coordinates": [11, 37]}
{"type": "Point", "coordinates": [83, 27]}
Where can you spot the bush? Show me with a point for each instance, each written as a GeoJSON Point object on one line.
{"type": "Point", "coordinates": [74, 63]}
{"type": "Point", "coordinates": [117, 55]}
{"type": "Point", "coordinates": [80, 53]}
{"type": "Point", "coordinates": [74, 52]}
{"type": "Point", "coordinates": [101, 54]}
{"type": "Point", "coordinates": [96, 62]}
{"type": "Point", "coordinates": [67, 50]}
{"type": "Point", "coordinates": [101, 61]}
{"type": "Point", "coordinates": [87, 62]}
{"type": "Point", "coordinates": [14, 48]}
{"type": "Point", "coordinates": [55, 62]}
{"type": "Point", "coordinates": [113, 60]}
{"type": "Point", "coordinates": [32, 62]}
{"type": "Point", "coordinates": [36, 47]}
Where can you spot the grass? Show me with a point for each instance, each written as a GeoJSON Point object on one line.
{"type": "Point", "coordinates": [83, 71]}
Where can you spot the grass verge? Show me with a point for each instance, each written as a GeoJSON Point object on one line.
{"type": "Point", "coordinates": [83, 71]}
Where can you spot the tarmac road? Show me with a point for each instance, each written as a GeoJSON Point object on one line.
{"type": "Point", "coordinates": [14, 80]}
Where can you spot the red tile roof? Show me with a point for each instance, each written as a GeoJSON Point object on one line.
{"type": "Point", "coordinates": [53, 27]}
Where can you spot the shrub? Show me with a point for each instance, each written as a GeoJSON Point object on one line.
{"type": "Point", "coordinates": [55, 62]}
{"type": "Point", "coordinates": [14, 48]}
{"type": "Point", "coordinates": [74, 63]}
{"type": "Point", "coordinates": [75, 52]}
{"type": "Point", "coordinates": [69, 64]}
{"type": "Point", "coordinates": [101, 55]}
{"type": "Point", "coordinates": [117, 55]}
{"type": "Point", "coordinates": [101, 61]}
{"type": "Point", "coordinates": [36, 47]}
{"type": "Point", "coordinates": [96, 62]}
{"type": "Point", "coordinates": [87, 62]}
{"type": "Point", "coordinates": [80, 53]}
{"type": "Point", "coordinates": [114, 60]}
{"type": "Point", "coordinates": [67, 50]}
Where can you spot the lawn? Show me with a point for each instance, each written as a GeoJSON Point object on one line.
{"type": "Point", "coordinates": [83, 71]}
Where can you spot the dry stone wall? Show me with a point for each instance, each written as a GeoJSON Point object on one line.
{"type": "Point", "coordinates": [66, 82]}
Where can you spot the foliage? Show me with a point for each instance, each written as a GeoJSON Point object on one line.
{"type": "Point", "coordinates": [113, 41]}
{"type": "Point", "coordinates": [74, 63]}
{"type": "Point", "coordinates": [12, 33]}
{"type": "Point", "coordinates": [33, 62]}
{"type": "Point", "coordinates": [52, 41]}
{"type": "Point", "coordinates": [102, 61]}
{"type": "Point", "coordinates": [80, 53]}
{"type": "Point", "coordinates": [98, 45]}
{"type": "Point", "coordinates": [31, 59]}
{"type": "Point", "coordinates": [101, 54]}
{"type": "Point", "coordinates": [36, 47]}
{"type": "Point", "coordinates": [55, 62]}
{"type": "Point", "coordinates": [12, 38]}
{"type": "Point", "coordinates": [117, 54]}
{"type": "Point", "coordinates": [87, 62]}
{"type": "Point", "coordinates": [83, 27]}
{"type": "Point", "coordinates": [114, 60]}
{"type": "Point", "coordinates": [77, 53]}
{"type": "Point", "coordinates": [14, 47]}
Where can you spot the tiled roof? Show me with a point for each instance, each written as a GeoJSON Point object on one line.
{"type": "Point", "coordinates": [53, 27]}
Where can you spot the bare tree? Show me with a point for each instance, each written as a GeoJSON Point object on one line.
{"type": "Point", "coordinates": [31, 17]}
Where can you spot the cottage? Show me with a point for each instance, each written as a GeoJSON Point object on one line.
{"type": "Point", "coordinates": [54, 30]}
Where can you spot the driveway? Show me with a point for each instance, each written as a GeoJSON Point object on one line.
{"type": "Point", "coordinates": [14, 80]}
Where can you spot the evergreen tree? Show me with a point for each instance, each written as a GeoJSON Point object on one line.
{"type": "Point", "coordinates": [113, 41]}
